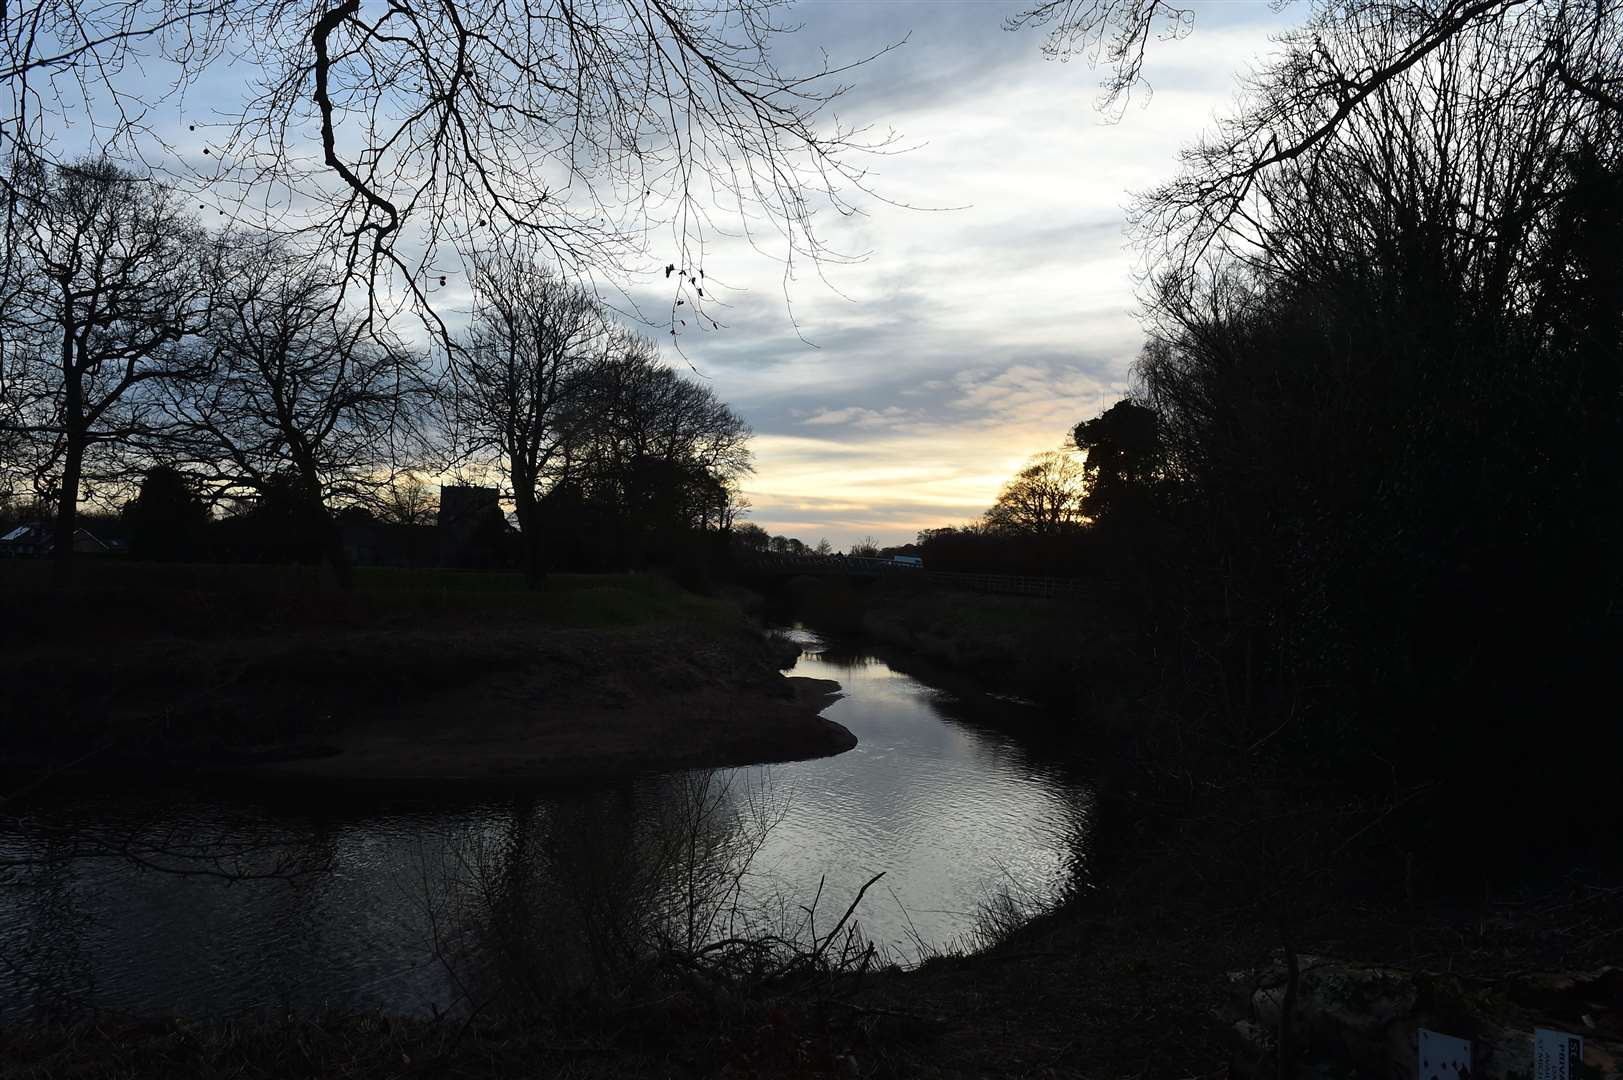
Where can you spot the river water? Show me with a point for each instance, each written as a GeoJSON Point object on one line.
{"type": "Point", "coordinates": [235, 903]}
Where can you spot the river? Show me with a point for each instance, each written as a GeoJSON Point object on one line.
{"type": "Point", "coordinates": [235, 903]}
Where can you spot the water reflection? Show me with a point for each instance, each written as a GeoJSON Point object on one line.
{"type": "Point", "coordinates": [420, 907]}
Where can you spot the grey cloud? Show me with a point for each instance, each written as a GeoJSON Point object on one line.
{"type": "Point", "coordinates": [946, 51]}
{"type": "Point", "coordinates": [977, 336]}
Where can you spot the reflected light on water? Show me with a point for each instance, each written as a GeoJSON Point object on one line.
{"type": "Point", "coordinates": [411, 907]}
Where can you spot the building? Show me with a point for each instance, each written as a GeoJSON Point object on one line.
{"type": "Point", "coordinates": [33, 540]}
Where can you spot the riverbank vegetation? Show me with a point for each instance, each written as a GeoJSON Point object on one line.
{"type": "Point", "coordinates": [1356, 522]}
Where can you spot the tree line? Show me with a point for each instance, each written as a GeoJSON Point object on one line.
{"type": "Point", "coordinates": [750, 537]}
{"type": "Point", "coordinates": [242, 365]}
{"type": "Point", "coordinates": [1362, 507]}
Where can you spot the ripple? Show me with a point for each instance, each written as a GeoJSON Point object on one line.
{"type": "Point", "coordinates": [953, 811]}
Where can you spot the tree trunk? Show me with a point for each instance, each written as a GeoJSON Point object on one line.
{"type": "Point", "coordinates": [67, 506]}
{"type": "Point", "coordinates": [529, 525]}
{"type": "Point", "coordinates": [332, 535]}
{"type": "Point", "coordinates": [67, 514]}
{"type": "Point", "coordinates": [337, 555]}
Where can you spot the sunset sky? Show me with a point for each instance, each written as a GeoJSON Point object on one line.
{"type": "Point", "coordinates": [994, 311]}
{"type": "Point", "coordinates": [974, 337]}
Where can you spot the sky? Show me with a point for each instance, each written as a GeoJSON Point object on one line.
{"type": "Point", "coordinates": [970, 338]}
{"type": "Point", "coordinates": [994, 307]}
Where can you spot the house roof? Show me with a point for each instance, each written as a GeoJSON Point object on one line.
{"type": "Point", "coordinates": [38, 532]}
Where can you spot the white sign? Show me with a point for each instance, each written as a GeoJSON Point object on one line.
{"type": "Point", "coordinates": [1444, 1057]}
{"type": "Point", "coordinates": [1556, 1054]}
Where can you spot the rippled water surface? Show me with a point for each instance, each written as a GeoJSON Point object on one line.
{"type": "Point", "coordinates": [362, 905]}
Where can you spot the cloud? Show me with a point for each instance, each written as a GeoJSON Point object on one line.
{"type": "Point", "coordinates": [856, 416]}
{"type": "Point", "coordinates": [899, 390]}
{"type": "Point", "coordinates": [905, 394]}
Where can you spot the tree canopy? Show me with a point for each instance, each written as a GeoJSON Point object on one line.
{"type": "Point", "coordinates": [1044, 497]}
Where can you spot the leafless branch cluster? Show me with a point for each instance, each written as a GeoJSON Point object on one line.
{"type": "Point", "coordinates": [608, 133]}
{"type": "Point", "coordinates": [615, 897]}
{"type": "Point", "coordinates": [292, 389]}
{"type": "Point", "coordinates": [1351, 63]}
{"type": "Point", "coordinates": [569, 407]}
{"type": "Point", "coordinates": [1496, 76]}
{"type": "Point", "coordinates": [1114, 33]}
{"type": "Point", "coordinates": [134, 336]}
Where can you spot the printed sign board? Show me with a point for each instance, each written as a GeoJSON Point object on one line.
{"type": "Point", "coordinates": [1556, 1054]}
{"type": "Point", "coordinates": [1444, 1057]}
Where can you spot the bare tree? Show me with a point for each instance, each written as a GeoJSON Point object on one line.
{"type": "Point", "coordinates": [404, 131]}
{"type": "Point", "coordinates": [517, 378]}
{"type": "Point", "coordinates": [866, 548]}
{"type": "Point", "coordinates": [653, 442]}
{"type": "Point", "coordinates": [15, 347]}
{"type": "Point", "coordinates": [106, 293]}
{"type": "Point", "coordinates": [1315, 86]}
{"type": "Point", "coordinates": [1115, 33]}
{"type": "Point", "coordinates": [646, 409]}
{"type": "Point", "coordinates": [13, 443]}
{"type": "Point", "coordinates": [1443, 172]}
{"type": "Point", "coordinates": [407, 501]}
{"type": "Point", "coordinates": [1044, 497]}
{"type": "Point", "coordinates": [1342, 80]}
{"type": "Point", "coordinates": [299, 393]}
{"type": "Point", "coordinates": [1400, 349]}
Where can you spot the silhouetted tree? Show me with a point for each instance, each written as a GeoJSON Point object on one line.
{"type": "Point", "coordinates": [521, 382]}
{"type": "Point", "coordinates": [866, 548]}
{"type": "Point", "coordinates": [1386, 394]}
{"type": "Point", "coordinates": [1044, 497]}
{"type": "Point", "coordinates": [407, 501]}
{"type": "Point", "coordinates": [167, 517]}
{"type": "Point", "coordinates": [751, 536]}
{"type": "Point", "coordinates": [1123, 457]}
{"type": "Point", "coordinates": [786, 545]}
{"type": "Point", "coordinates": [299, 394]}
{"type": "Point", "coordinates": [107, 291]}
{"type": "Point", "coordinates": [663, 452]}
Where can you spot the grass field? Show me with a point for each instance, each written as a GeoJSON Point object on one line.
{"type": "Point", "coordinates": [110, 595]}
